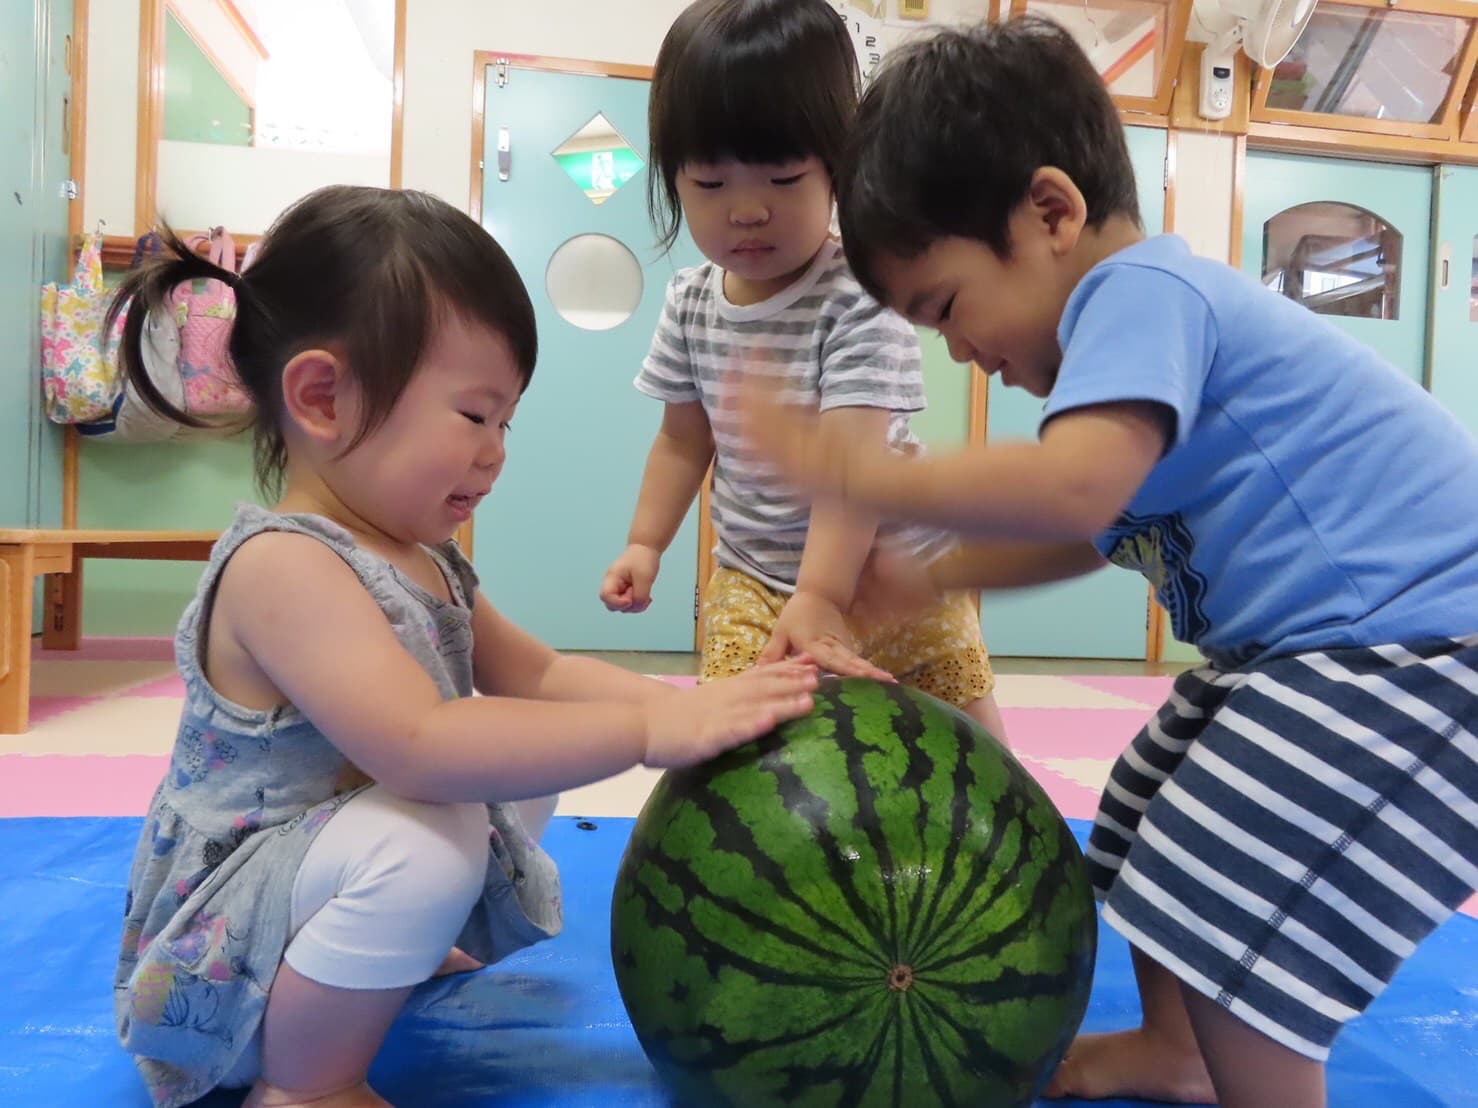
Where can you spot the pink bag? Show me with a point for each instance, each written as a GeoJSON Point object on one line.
{"type": "Point", "coordinates": [204, 309]}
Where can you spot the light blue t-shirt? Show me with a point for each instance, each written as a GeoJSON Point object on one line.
{"type": "Point", "coordinates": [1311, 497]}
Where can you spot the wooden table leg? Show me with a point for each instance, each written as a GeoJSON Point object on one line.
{"type": "Point", "coordinates": [61, 627]}
{"type": "Point", "coordinates": [17, 580]}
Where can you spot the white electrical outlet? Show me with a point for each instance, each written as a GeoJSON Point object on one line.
{"type": "Point", "coordinates": [1218, 70]}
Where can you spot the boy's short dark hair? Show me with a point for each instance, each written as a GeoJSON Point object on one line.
{"type": "Point", "coordinates": [952, 129]}
{"type": "Point", "coordinates": [759, 81]}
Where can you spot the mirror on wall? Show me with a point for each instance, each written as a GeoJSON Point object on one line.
{"type": "Point", "coordinates": [249, 104]}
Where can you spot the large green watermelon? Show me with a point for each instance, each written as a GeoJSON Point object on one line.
{"type": "Point", "coordinates": [873, 905]}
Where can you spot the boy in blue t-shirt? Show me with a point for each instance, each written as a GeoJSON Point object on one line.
{"type": "Point", "coordinates": [1304, 809]}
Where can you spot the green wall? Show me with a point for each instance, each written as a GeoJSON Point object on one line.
{"type": "Point", "coordinates": [199, 104]}
{"type": "Point", "coordinates": [177, 485]}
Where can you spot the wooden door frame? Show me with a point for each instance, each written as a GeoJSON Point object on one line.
{"type": "Point", "coordinates": [1154, 623]}
{"type": "Point", "coordinates": [77, 170]}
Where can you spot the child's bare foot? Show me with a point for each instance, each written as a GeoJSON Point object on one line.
{"type": "Point", "coordinates": [1137, 1064]}
{"type": "Point", "coordinates": [263, 1095]}
{"type": "Point", "coordinates": [458, 961]}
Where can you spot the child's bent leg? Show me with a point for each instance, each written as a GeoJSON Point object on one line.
{"type": "Point", "coordinates": [318, 1043]}
{"type": "Point", "coordinates": [1248, 1069]}
{"type": "Point", "coordinates": [379, 900]}
{"type": "Point", "coordinates": [739, 615]}
{"type": "Point", "coordinates": [986, 712]}
{"type": "Point", "coordinates": [938, 651]}
{"type": "Point", "coordinates": [1159, 1060]}
{"type": "Point", "coordinates": [536, 814]}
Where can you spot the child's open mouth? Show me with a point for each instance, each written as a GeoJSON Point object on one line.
{"type": "Point", "coordinates": [462, 504]}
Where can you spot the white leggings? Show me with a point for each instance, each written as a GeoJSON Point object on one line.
{"type": "Point", "coordinates": [384, 891]}
{"type": "Point", "coordinates": [387, 885]}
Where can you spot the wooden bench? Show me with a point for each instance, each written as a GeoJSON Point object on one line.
{"type": "Point", "coordinates": [58, 555]}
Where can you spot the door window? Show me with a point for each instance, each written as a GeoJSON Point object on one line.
{"type": "Point", "coordinates": [1335, 259]}
{"type": "Point", "coordinates": [598, 159]}
{"type": "Point", "coordinates": [1473, 288]}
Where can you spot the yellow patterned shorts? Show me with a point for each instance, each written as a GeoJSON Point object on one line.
{"type": "Point", "coordinates": [938, 651]}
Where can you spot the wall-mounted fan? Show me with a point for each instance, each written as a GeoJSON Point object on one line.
{"type": "Point", "coordinates": [1265, 30]}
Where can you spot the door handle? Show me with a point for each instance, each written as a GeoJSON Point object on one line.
{"type": "Point", "coordinates": [1446, 274]}
{"type": "Point", "coordinates": [505, 154]}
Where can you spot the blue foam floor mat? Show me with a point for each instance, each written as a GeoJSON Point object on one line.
{"type": "Point", "coordinates": [546, 1027]}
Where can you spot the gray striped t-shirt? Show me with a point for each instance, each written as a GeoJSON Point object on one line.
{"type": "Point", "coordinates": [826, 340]}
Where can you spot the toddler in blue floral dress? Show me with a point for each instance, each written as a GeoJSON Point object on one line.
{"type": "Point", "coordinates": [340, 810]}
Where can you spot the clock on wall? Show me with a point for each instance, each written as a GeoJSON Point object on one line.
{"type": "Point", "coordinates": [864, 20]}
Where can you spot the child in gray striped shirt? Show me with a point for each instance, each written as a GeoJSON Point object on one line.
{"type": "Point", "coordinates": [751, 101]}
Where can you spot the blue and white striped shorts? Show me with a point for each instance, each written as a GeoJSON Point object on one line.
{"type": "Point", "coordinates": [1280, 838]}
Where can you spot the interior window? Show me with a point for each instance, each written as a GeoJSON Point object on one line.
{"type": "Point", "coordinates": [1335, 259]}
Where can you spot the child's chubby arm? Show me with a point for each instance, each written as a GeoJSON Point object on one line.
{"type": "Point", "coordinates": [679, 458]}
{"type": "Point", "coordinates": [296, 611]}
{"type": "Point", "coordinates": [1067, 487]}
{"type": "Point", "coordinates": [837, 543]}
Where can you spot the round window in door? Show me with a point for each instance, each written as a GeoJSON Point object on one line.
{"type": "Point", "coordinates": [1334, 259]}
{"type": "Point", "coordinates": [594, 282]}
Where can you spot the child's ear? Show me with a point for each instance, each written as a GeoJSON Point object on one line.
{"type": "Point", "coordinates": [1057, 207]}
{"type": "Point", "coordinates": [313, 395]}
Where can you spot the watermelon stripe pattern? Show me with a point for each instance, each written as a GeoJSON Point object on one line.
{"type": "Point", "coordinates": [873, 906]}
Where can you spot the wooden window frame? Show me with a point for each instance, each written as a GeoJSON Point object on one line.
{"type": "Point", "coordinates": [1360, 145]}
{"type": "Point", "coordinates": [173, 10]}
{"type": "Point", "coordinates": [151, 111]}
{"type": "Point", "coordinates": [1150, 110]}
{"type": "Point", "coordinates": [1469, 130]}
{"type": "Point", "coordinates": [1395, 133]}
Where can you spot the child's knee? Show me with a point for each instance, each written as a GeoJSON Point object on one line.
{"type": "Point", "coordinates": [536, 814]}
{"type": "Point", "coordinates": [385, 889]}
{"type": "Point", "coordinates": [421, 859]}
{"type": "Point", "coordinates": [739, 615]}
{"type": "Point", "coordinates": [436, 854]}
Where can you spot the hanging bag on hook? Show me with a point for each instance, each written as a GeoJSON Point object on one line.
{"type": "Point", "coordinates": [162, 352]}
{"type": "Point", "coordinates": [127, 418]}
{"type": "Point", "coordinates": [78, 368]}
{"type": "Point", "coordinates": [204, 309]}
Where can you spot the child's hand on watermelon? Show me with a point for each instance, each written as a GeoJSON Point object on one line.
{"type": "Point", "coordinates": [694, 725]}
{"type": "Point", "coordinates": [810, 625]}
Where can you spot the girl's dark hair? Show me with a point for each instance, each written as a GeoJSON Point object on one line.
{"type": "Point", "coordinates": [954, 126]}
{"type": "Point", "coordinates": [371, 271]}
{"type": "Point", "coordinates": [759, 81]}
